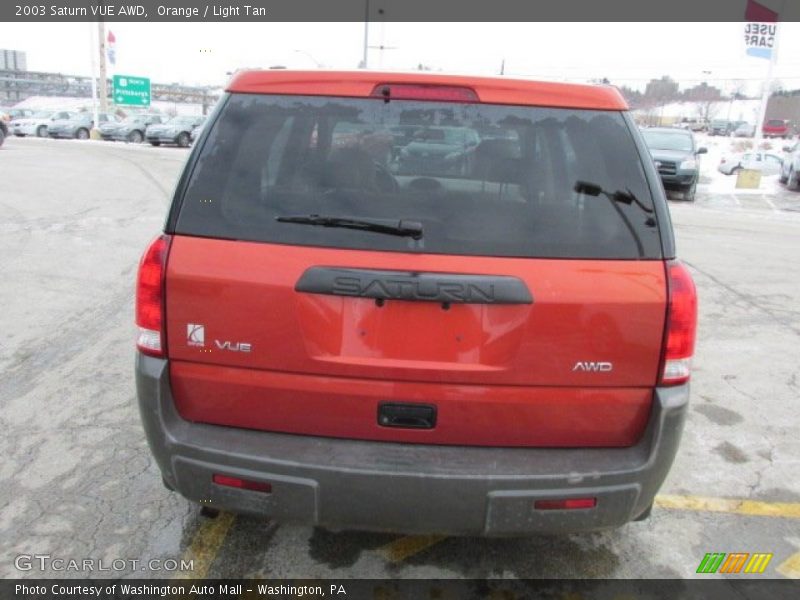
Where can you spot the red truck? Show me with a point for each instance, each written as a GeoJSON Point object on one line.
{"type": "Point", "coordinates": [488, 334]}
{"type": "Point", "coordinates": [774, 128]}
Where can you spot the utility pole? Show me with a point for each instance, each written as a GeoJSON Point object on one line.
{"type": "Point", "coordinates": [366, 34]}
{"type": "Point", "coordinates": [93, 56]}
{"type": "Point", "coordinates": [767, 91]}
{"type": "Point", "coordinates": [101, 46]}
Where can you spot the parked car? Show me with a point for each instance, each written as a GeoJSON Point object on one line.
{"type": "Point", "coordinates": [745, 130]}
{"type": "Point", "coordinates": [768, 164]}
{"type": "Point", "coordinates": [178, 130]}
{"type": "Point", "coordinates": [675, 153]}
{"type": "Point", "coordinates": [774, 128]}
{"type": "Point", "coordinates": [500, 352]}
{"type": "Point", "coordinates": [720, 127]}
{"type": "Point", "coordinates": [696, 125]}
{"type": "Point", "coordinates": [131, 129]}
{"type": "Point", "coordinates": [78, 125]}
{"type": "Point", "coordinates": [38, 123]}
{"type": "Point", "coordinates": [790, 167]}
{"type": "Point", "coordinates": [196, 132]}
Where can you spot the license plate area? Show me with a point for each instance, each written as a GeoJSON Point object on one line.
{"type": "Point", "coordinates": [406, 416]}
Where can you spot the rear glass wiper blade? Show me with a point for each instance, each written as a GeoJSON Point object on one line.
{"type": "Point", "coordinates": [412, 229]}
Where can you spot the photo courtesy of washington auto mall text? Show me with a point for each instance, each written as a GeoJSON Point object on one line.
{"type": "Point", "coordinates": [400, 299]}
{"type": "Point", "coordinates": [177, 590]}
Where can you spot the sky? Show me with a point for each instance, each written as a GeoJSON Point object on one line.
{"type": "Point", "coordinates": [626, 53]}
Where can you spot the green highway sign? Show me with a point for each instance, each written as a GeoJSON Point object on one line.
{"type": "Point", "coordinates": [131, 91]}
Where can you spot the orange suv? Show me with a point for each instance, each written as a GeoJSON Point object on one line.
{"type": "Point", "coordinates": [416, 303]}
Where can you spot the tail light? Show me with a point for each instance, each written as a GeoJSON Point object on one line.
{"type": "Point", "coordinates": [681, 325]}
{"type": "Point", "coordinates": [435, 92]}
{"type": "Point", "coordinates": [565, 504]}
{"type": "Point", "coordinates": [150, 298]}
{"type": "Point", "coordinates": [242, 484]}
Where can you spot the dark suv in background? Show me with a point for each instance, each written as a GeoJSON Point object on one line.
{"type": "Point", "coordinates": [675, 153]}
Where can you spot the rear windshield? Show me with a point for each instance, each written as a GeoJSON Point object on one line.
{"type": "Point", "coordinates": [775, 123]}
{"type": "Point", "coordinates": [480, 179]}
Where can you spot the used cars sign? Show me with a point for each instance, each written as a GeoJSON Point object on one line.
{"type": "Point", "coordinates": [759, 39]}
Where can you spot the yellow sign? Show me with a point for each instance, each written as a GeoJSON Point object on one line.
{"type": "Point", "coordinates": [748, 179]}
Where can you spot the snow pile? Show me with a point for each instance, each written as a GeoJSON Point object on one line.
{"type": "Point", "coordinates": [714, 182]}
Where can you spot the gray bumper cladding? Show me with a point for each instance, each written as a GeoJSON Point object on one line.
{"type": "Point", "coordinates": [409, 488]}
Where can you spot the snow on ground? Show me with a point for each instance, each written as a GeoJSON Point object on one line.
{"type": "Point", "coordinates": [729, 110]}
{"type": "Point", "coordinates": [714, 182]}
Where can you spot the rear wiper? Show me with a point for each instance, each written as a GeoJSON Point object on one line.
{"type": "Point", "coordinates": [592, 189]}
{"type": "Point", "coordinates": [412, 229]}
{"type": "Point", "coordinates": [626, 197]}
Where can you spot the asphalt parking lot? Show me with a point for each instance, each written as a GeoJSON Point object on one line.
{"type": "Point", "coordinates": [78, 480]}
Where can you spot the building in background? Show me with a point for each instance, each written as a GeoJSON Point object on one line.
{"type": "Point", "coordinates": [11, 61]}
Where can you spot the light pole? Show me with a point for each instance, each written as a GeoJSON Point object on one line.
{"type": "Point", "coordinates": [366, 34]}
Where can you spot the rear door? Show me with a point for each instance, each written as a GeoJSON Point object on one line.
{"type": "Point", "coordinates": [529, 313]}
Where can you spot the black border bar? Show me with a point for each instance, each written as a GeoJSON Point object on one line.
{"type": "Point", "coordinates": [744, 588]}
{"type": "Point", "coordinates": [535, 11]}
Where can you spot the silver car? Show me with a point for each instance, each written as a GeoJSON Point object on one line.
{"type": "Point", "coordinates": [38, 123]}
{"type": "Point", "coordinates": [790, 168]}
{"type": "Point", "coordinates": [768, 164]}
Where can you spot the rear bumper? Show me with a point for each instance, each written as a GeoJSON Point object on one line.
{"type": "Point", "coordinates": [410, 488]}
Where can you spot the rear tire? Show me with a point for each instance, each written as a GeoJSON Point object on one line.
{"type": "Point", "coordinates": [135, 137]}
{"type": "Point", "coordinates": [155, 143]}
{"type": "Point", "coordinates": [183, 139]}
{"type": "Point", "coordinates": [82, 134]}
{"type": "Point", "coordinates": [2, 137]}
{"type": "Point", "coordinates": [41, 131]}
